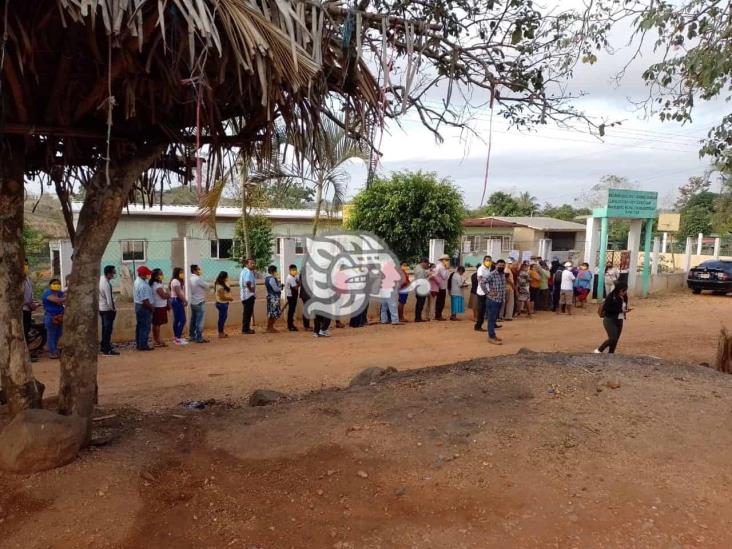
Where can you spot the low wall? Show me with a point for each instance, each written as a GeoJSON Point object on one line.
{"type": "Point", "coordinates": [677, 262]}
{"type": "Point", "coordinates": [661, 283]}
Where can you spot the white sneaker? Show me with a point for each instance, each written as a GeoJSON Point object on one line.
{"type": "Point", "coordinates": [597, 351]}
{"type": "Point", "coordinates": [325, 333]}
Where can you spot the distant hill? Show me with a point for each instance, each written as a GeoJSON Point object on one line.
{"type": "Point", "coordinates": [43, 214]}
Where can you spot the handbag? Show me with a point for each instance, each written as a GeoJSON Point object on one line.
{"type": "Point", "coordinates": [58, 319]}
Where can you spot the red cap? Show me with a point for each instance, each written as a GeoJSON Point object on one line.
{"type": "Point", "coordinates": [143, 271]}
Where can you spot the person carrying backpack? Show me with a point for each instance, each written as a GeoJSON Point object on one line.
{"type": "Point", "coordinates": [613, 312]}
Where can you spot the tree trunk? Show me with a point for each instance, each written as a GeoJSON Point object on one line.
{"type": "Point", "coordinates": [16, 374]}
{"type": "Point", "coordinates": [98, 218]}
{"type": "Point", "coordinates": [318, 204]}
{"type": "Point", "coordinates": [245, 209]}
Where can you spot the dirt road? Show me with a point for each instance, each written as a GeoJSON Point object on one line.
{"type": "Point", "coordinates": [678, 326]}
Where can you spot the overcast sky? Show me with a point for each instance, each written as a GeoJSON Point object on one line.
{"type": "Point", "coordinates": [556, 164]}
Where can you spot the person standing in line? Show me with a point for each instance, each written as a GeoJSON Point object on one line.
{"type": "Point", "coordinates": [583, 284]}
{"type": "Point", "coordinates": [304, 297]}
{"type": "Point", "coordinates": [557, 288]}
{"type": "Point", "coordinates": [421, 272]}
{"type": "Point", "coordinates": [53, 317]}
{"type": "Point", "coordinates": [178, 304]}
{"type": "Point", "coordinates": [456, 283]}
{"type": "Point", "coordinates": [199, 289]}
{"type": "Point", "coordinates": [292, 285]}
{"type": "Point", "coordinates": [274, 294]}
{"type": "Point", "coordinates": [107, 310]}
{"type": "Point", "coordinates": [403, 290]}
{"type": "Point", "coordinates": [508, 302]}
{"type": "Point", "coordinates": [247, 291]}
{"type": "Point", "coordinates": [613, 311]}
{"type": "Point", "coordinates": [160, 304]}
{"type": "Point", "coordinates": [440, 275]}
{"type": "Point", "coordinates": [143, 298]}
{"type": "Point", "coordinates": [473, 299]}
{"type": "Point", "coordinates": [544, 274]}
{"type": "Point", "coordinates": [534, 283]}
{"type": "Point", "coordinates": [566, 295]}
{"type": "Point", "coordinates": [494, 287]}
{"type": "Point", "coordinates": [483, 271]}
{"type": "Point", "coordinates": [523, 284]}
{"type": "Point", "coordinates": [222, 291]}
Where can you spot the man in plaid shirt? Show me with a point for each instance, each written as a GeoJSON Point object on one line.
{"type": "Point", "coordinates": [494, 286]}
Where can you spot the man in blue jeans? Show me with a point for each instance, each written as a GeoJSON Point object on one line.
{"type": "Point", "coordinates": [143, 296]}
{"type": "Point", "coordinates": [494, 286]}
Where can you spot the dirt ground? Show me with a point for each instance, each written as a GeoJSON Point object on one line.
{"type": "Point", "coordinates": [678, 326]}
{"type": "Point", "coordinates": [526, 450]}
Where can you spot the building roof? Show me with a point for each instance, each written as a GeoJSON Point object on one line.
{"type": "Point", "coordinates": [545, 223]}
{"type": "Point", "coordinates": [488, 222]}
{"type": "Point", "coordinates": [222, 212]}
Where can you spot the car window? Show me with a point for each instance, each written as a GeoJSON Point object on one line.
{"type": "Point", "coordinates": [716, 264]}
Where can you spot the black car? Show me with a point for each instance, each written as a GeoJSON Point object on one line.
{"type": "Point", "coordinates": [714, 275]}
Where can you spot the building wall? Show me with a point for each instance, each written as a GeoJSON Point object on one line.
{"type": "Point", "coordinates": [163, 243]}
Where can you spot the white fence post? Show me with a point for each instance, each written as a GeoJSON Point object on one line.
{"type": "Point", "coordinates": [664, 245]}
{"type": "Point", "coordinates": [687, 255]}
{"type": "Point", "coordinates": [699, 242]}
{"type": "Point", "coordinates": [654, 255]}
{"type": "Point", "coordinates": [717, 245]}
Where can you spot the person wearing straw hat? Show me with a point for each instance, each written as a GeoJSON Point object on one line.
{"type": "Point", "coordinates": [566, 292]}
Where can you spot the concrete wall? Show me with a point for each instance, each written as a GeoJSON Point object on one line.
{"type": "Point", "coordinates": [661, 283]}
{"type": "Point", "coordinates": [677, 262]}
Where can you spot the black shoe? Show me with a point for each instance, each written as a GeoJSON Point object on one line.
{"type": "Point", "coordinates": [144, 348]}
{"type": "Point", "coordinates": [202, 340]}
{"type": "Point", "coordinates": [111, 352]}
{"type": "Point", "coordinates": [248, 332]}
{"type": "Point", "coordinates": [477, 329]}
{"type": "Point", "coordinates": [292, 329]}
{"type": "Point", "coordinates": [499, 325]}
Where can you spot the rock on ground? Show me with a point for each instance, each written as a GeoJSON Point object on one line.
{"type": "Point", "coordinates": [265, 397]}
{"type": "Point", "coordinates": [37, 440]}
{"type": "Point", "coordinates": [371, 375]}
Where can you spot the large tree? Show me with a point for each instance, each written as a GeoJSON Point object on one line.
{"type": "Point", "coordinates": [94, 94]}
{"type": "Point", "coordinates": [407, 209]}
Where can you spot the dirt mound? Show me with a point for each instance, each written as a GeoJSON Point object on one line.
{"type": "Point", "coordinates": [523, 450]}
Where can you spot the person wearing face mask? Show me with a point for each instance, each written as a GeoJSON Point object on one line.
{"type": "Point", "coordinates": [53, 307]}
{"type": "Point", "coordinates": [144, 297]}
{"type": "Point", "coordinates": [494, 287]}
{"type": "Point", "coordinates": [613, 312]}
{"type": "Point", "coordinates": [107, 310]}
{"type": "Point", "coordinates": [441, 274]}
{"type": "Point", "coordinates": [160, 303]}
{"type": "Point", "coordinates": [199, 289]}
{"type": "Point", "coordinates": [247, 293]}
{"type": "Point", "coordinates": [178, 304]}
{"type": "Point", "coordinates": [483, 271]}
{"type": "Point", "coordinates": [583, 284]}
{"type": "Point", "coordinates": [421, 272]}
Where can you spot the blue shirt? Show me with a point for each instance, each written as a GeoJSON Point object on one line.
{"type": "Point", "coordinates": [273, 287]}
{"type": "Point", "coordinates": [142, 291]}
{"type": "Point", "coordinates": [247, 275]}
{"type": "Point", "coordinates": [50, 307]}
{"type": "Point", "coordinates": [584, 280]}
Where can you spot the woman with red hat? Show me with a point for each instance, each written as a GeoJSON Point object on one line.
{"type": "Point", "coordinates": [144, 297]}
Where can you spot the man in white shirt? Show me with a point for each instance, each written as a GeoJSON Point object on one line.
{"type": "Point", "coordinates": [483, 271]}
{"type": "Point", "coordinates": [566, 291]}
{"type": "Point", "coordinates": [421, 272]}
{"type": "Point", "coordinates": [247, 291]}
{"type": "Point", "coordinates": [107, 310]}
{"type": "Point", "coordinates": [441, 275]}
{"type": "Point", "coordinates": [199, 289]}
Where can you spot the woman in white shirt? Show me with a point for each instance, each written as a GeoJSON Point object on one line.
{"type": "Point", "coordinates": [160, 305]}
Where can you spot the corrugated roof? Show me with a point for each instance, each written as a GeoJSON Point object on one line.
{"type": "Point", "coordinates": [488, 222]}
{"type": "Point", "coordinates": [234, 213]}
{"type": "Point", "coordinates": [545, 223]}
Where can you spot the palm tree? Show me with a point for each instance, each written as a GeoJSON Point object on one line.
{"type": "Point", "coordinates": [527, 203]}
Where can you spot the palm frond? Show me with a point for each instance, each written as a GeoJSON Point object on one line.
{"type": "Point", "coordinates": [208, 203]}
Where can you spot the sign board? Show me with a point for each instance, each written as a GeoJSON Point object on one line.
{"type": "Point", "coordinates": [669, 222]}
{"type": "Point", "coordinates": [622, 203]}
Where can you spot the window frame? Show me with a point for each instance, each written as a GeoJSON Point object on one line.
{"type": "Point", "coordinates": [129, 241]}
{"type": "Point", "coordinates": [217, 243]}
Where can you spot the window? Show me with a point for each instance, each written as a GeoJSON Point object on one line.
{"type": "Point", "coordinates": [506, 244]}
{"type": "Point", "coordinates": [299, 246]}
{"type": "Point", "coordinates": [133, 250]}
{"type": "Point", "coordinates": [222, 248]}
